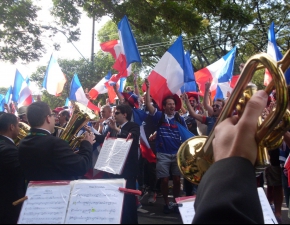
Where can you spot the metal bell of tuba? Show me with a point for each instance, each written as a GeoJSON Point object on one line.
{"type": "Point", "coordinates": [23, 131]}
{"type": "Point", "coordinates": [77, 121]}
{"type": "Point", "coordinates": [195, 155]}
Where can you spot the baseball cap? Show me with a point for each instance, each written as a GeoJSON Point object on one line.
{"type": "Point", "coordinates": [58, 109]}
{"type": "Point", "coordinates": [22, 110]}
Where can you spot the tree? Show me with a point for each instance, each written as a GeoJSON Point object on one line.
{"type": "Point", "coordinates": [3, 90]}
{"type": "Point", "coordinates": [21, 34]}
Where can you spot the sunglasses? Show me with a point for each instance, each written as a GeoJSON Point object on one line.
{"type": "Point", "coordinates": [52, 114]}
{"type": "Point", "coordinates": [216, 106]}
{"type": "Point", "coordinates": [117, 113]}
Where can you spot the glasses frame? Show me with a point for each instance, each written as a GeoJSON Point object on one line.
{"type": "Point", "coordinates": [117, 113]}
{"type": "Point", "coordinates": [215, 105]}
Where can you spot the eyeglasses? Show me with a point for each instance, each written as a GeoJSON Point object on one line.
{"type": "Point", "coordinates": [117, 113]}
{"type": "Point", "coordinates": [52, 114]}
{"type": "Point", "coordinates": [216, 106]}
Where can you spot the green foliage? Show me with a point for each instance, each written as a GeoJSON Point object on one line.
{"type": "Point", "coordinates": [3, 90]}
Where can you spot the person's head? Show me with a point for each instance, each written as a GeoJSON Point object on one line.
{"type": "Point", "coordinates": [63, 117]}
{"type": "Point", "coordinates": [40, 116]}
{"type": "Point", "coordinates": [106, 111]}
{"type": "Point", "coordinates": [170, 104]}
{"type": "Point", "coordinates": [123, 113]}
{"type": "Point", "coordinates": [217, 107]}
{"type": "Point", "coordinates": [22, 114]}
{"type": "Point", "coordinates": [9, 125]}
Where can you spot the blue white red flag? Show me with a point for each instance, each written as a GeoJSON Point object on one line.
{"type": "Point", "coordinates": [189, 78]}
{"type": "Point", "coordinates": [219, 74]}
{"type": "Point", "coordinates": [77, 94]}
{"type": "Point", "coordinates": [168, 75]}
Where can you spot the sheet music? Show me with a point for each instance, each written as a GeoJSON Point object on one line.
{"type": "Point", "coordinates": [269, 217]}
{"type": "Point", "coordinates": [113, 155]}
{"type": "Point", "coordinates": [187, 211]}
{"type": "Point", "coordinates": [96, 202]}
{"type": "Point", "coordinates": [45, 204]}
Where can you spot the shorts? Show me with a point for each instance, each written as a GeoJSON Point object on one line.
{"type": "Point", "coordinates": [273, 176]}
{"type": "Point", "coordinates": [166, 164]}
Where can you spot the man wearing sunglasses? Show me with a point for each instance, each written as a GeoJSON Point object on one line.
{"type": "Point", "coordinates": [122, 117]}
{"type": "Point", "coordinates": [209, 121]}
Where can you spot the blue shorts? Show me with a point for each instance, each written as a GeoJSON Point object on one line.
{"type": "Point", "coordinates": [165, 164]}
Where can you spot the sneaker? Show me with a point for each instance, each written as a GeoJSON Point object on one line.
{"type": "Point", "coordinates": [167, 209]}
{"type": "Point", "coordinates": [139, 205]}
{"type": "Point", "coordinates": [174, 207]}
{"type": "Point", "coordinates": [144, 193]}
{"type": "Point", "coordinates": [152, 197]}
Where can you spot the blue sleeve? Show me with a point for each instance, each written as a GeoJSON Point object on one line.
{"type": "Point", "coordinates": [157, 117]}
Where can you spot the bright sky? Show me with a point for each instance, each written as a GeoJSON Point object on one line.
{"type": "Point", "coordinates": [67, 51]}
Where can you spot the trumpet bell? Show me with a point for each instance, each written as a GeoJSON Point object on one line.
{"type": "Point", "coordinates": [23, 131]}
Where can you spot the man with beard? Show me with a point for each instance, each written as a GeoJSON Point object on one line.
{"type": "Point", "coordinates": [167, 144]}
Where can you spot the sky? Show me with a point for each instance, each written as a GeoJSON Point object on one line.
{"type": "Point", "coordinates": [67, 51]}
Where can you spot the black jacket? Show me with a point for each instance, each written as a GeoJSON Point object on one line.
{"type": "Point", "coordinates": [12, 182]}
{"type": "Point", "coordinates": [228, 194]}
{"type": "Point", "coordinates": [45, 157]}
{"type": "Point", "coordinates": [131, 165]}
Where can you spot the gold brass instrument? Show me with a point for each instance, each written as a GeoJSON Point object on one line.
{"type": "Point", "coordinates": [23, 131]}
{"type": "Point", "coordinates": [195, 155]}
{"type": "Point", "coordinates": [74, 125]}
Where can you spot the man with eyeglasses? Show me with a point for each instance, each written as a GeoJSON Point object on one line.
{"type": "Point", "coordinates": [45, 157]}
{"type": "Point", "coordinates": [210, 120]}
{"type": "Point", "coordinates": [122, 117]}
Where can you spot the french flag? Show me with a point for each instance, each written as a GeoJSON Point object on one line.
{"type": "Point", "coordinates": [77, 94]}
{"type": "Point", "coordinates": [219, 74]}
{"type": "Point", "coordinates": [168, 75]}
{"type": "Point", "coordinates": [21, 93]}
{"type": "Point", "coordinates": [128, 43]}
{"type": "Point", "coordinates": [146, 151]}
{"type": "Point", "coordinates": [112, 47]}
{"type": "Point", "coordinates": [100, 87]}
{"type": "Point", "coordinates": [275, 53]}
{"type": "Point", "coordinates": [2, 102]}
{"type": "Point", "coordinates": [189, 78]}
{"type": "Point", "coordinates": [8, 96]}
{"type": "Point", "coordinates": [54, 79]}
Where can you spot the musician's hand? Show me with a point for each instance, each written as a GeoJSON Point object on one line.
{"type": "Point", "coordinates": [90, 137]}
{"type": "Point", "coordinates": [112, 123]}
{"type": "Point", "coordinates": [236, 137]}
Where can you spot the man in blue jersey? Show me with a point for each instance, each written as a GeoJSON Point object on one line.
{"type": "Point", "coordinates": [168, 142]}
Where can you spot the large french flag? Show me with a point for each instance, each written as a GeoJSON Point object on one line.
{"type": "Point", "coordinates": [77, 94]}
{"type": "Point", "coordinates": [146, 151]}
{"type": "Point", "coordinates": [275, 53]}
{"type": "Point", "coordinates": [54, 79]}
{"type": "Point", "coordinates": [168, 75]}
{"type": "Point", "coordinates": [128, 42]}
{"type": "Point", "coordinates": [21, 93]}
{"type": "Point", "coordinates": [219, 74]}
{"type": "Point", "coordinates": [189, 78]}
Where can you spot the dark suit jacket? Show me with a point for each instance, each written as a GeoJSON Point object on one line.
{"type": "Point", "coordinates": [228, 194]}
{"type": "Point", "coordinates": [131, 165]}
{"type": "Point", "coordinates": [12, 182]}
{"type": "Point", "coordinates": [45, 157]}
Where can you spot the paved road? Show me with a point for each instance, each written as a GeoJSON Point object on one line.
{"type": "Point", "coordinates": [153, 214]}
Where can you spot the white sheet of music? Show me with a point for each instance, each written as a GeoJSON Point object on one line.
{"type": "Point", "coordinates": [96, 202]}
{"type": "Point", "coordinates": [187, 209]}
{"type": "Point", "coordinates": [268, 214]}
{"type": "Point", "coordinates": [113, 155]}
{"type": "Point", "coordinates": [45, 205]}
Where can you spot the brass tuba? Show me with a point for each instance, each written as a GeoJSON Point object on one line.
{"type": "Point", "coordinates": [74, 125]}
{"type": "Point", "coordinates": [23, 131]}
{"type": "Point", "coordinates": [195, 155]}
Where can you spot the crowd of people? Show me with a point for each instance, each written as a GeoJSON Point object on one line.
{"type": "Point", "coordinates": [227, 195]}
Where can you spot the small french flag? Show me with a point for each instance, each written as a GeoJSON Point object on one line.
{"type": "Point", "coordinates": [77, 94]}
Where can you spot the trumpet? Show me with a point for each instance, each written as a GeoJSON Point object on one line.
{"type": "Point", "coordinates": [195, 155]}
